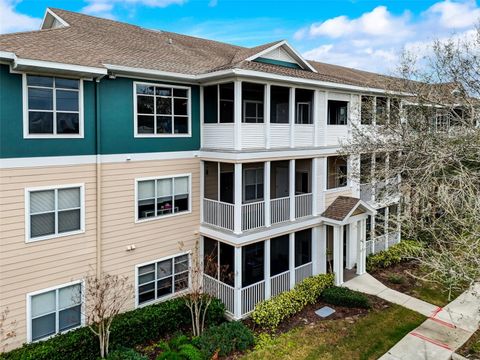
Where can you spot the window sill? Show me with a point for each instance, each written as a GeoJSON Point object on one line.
{"type": "Point", "coordinates": [337, 189]}
{"type": "Point", "coordinates": [162, 299]}
{"type": "Point", "coordinates": [53, 335]}
{"type": "Point", "coordinates": [153, 136]}
{"type": "Point", "coordinates": [53, 137]}
{"type": "Point", "coordinates": [153, 218]}
{"type": "Point", "coordinates": [55, 236]}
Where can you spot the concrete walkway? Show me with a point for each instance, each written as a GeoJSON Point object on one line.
{"type": "Point", "coordinates": [445, 330]}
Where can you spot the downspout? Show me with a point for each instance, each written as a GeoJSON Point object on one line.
{"type": "Point", "coordinates": [98, 171]}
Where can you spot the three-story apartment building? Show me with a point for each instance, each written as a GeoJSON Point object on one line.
{"type": "Point", "coordinates": [121, 147]}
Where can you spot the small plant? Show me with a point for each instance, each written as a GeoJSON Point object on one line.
{"type": "Point", "coordinates": [178, 348]}
{"type": "Point", "coordinates": [225, 339]}
{"type": "Point", "coordinates": [345, 297]}
{"type": "Point", "coordinates": [270, 313]}
{"type": "Point", "coordinates": [125, 354]}
{"type": "Point", "coordinates": [264, 340]}
{"type": "Point", "coordinates": [396, 279]}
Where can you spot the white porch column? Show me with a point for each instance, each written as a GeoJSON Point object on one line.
{"type": "Point", "coordinates": [237, 115]}
{"type": "Point", "coordinates": [291, 185]}
{"type": "Point", "coordinates": [291, 261]}
{"type": "Point", "coordinates": [315, 186]}
{"type": "Point", "coordinates": [322, 250]}
{"type": "Point", "coordinates": [338, 254]}
{"type": "Point", "coordinates": [316, 117]}
{"type": "Point", "coordinates": [361, 249]}
{"type": "Point", "coordinates": [292, 116]}
{"type": "Point", "coordinates": [387, 230]}
{"type": "Point", "coordinates": [267, 269]}
{"type": "Point", "coordinates": [238, 282]}
{"type": "Point", "coordinates": [266, 190]}
{"type": "Point", "coordinates": [238, 199]}
{"type": "Point", "coordinates": [353, 239]}
{"type": "Point", "coordinates": [202, 187]}
{"type": "Point", "coordinates": [316, 238]}
{"type": "Point", "coordinates": [266, 118]}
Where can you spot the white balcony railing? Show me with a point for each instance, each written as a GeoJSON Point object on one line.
{"type": "Point", "coordinates": [218, 213]}
{"type": "Point", "coordinates": [393, 238]}
{"type": "Point", "coordinates": [280, 283]}
{"type": "Point", "coordinates": [220, 290]}
{"type": "Point", "coordinates": [253, 215]}
{"type": "Point", "coordinates": [280, 210]}
{"type": "Point", "coordinates": [366, 192]}
{"type": "Point", "coordinates": [251, 296]}
{"type": "Point", "coordinates": [303, 205]}
{"type": "Point", "coordinates": [303, 271]}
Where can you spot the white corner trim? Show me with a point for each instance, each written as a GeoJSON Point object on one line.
{"type": "Point", "coordinates": [7, 55]}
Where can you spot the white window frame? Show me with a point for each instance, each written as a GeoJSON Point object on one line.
{"type": "Point", "coordinates": [154, 135]}
{"type": "Point", "coordinates": [156, 217]}
{"type": "Point", "coordinates": [348, 112]}
{"type": "Point", "coordinates": [29, 239]}
{"type": "Point", "coordinates": [53, 288]}
{"type": "Point", "coordinates": [258, 115]}
{"type": "Point", "coordinates": [297, 114]}
{"type": "Point", "coordinates": [173, 294]}
{"type": "Point", "coordinates": [26, 133]}
{"type": "Point", "coordinates": [244, 184]}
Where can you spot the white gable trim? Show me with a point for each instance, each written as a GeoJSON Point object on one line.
{"type": "Point", "coordinates": [50, 14]}
{"type": "Point", "coordinates": [290, 50]}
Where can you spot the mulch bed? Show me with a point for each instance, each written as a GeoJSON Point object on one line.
{"type": "Point", "coordinates": [471, 349]}
{"type": "Point", "coordinates": [408, 282]}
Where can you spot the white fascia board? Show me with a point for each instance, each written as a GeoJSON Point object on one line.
{"type": "Point", "coordinates": [291, 50]}
{"type": "Point", "coordinates": [7, 55]}
{"type": "Point", "coordinates": [51, 13]}
{"type": "Point", "coordinates": [128, 70]}
{"type": "Point", "coordinates": [20, 64]}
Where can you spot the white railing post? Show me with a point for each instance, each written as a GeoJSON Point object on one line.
{"type": "Point", "coordinates": [237, 117]}
{"type": "Point", "coordinates": [337, 254]}
{"type": "Point", "coordinates": [315, 248]}
{"type": "Point", "coordinates": [315, 186]}
{"type": "Point", "coordinates": [238, 282]}
{"type": "Point", "coordinates": [202, 189]}
{"type": "Point", "coordinates": [266, 188]}
{"type": "Point", "coordinates": [316, 118]}
{"type": "Point", "coordinates": [237, 224]}
{"type": "Point", "coordinates": [292, 116]}
{"type": "Point", "coordinates": [291, 184]}
{"type": "Point", "coordinates": [291, 258]}
{"type": "Point", "coordinates": [322, 268]}
{"type": "Point", "coordinates": [386, 227]}
{"type": "Point", "coordinates": [266, 118]}
{"type": "Point", "coordinates": [267, 269]}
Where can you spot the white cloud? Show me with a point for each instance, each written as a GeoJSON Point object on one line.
{"type": "Point", "coordinates": [13, 21]}
{"type": "Point", "coordinates": [104, 8]}
{"type": "Point", "coordinates": [374, 40]}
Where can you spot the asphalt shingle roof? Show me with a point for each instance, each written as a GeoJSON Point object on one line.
{"type": "Point", "coordinates": [340, 208]}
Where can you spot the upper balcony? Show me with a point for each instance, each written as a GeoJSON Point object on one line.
{"type": "Point", "coordinates": [244, 115]}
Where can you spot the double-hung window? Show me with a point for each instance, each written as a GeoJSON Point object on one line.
{"type": "Point", "coordinates": [163, 196]}
{"type": "Point", "coordinates": [54, 212]}
{"type": "Point", "coordinates": [53, 107]}
{"type": "Point", "coordinates": [54, 311]}
{"type": "Point", "coordinates": [160, 279]}
{"type": "Point", "coordinates": [162, 110]}
{"type": "Point", "coordinates": [253, 188]}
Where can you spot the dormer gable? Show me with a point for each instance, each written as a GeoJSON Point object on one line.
{"type": "Point", "coordinates": [52, 21]}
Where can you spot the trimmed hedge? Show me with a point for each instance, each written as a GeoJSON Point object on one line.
{"type": "Point", "coordinates": [345, 297]}
{"type": "Point", "coordinates": [128, 330]}
{"type": "Point", "coordinates": [270, 313]}
{"type": "Point", "coordinates": [402, 251]}
{"type": "Point", "coordinates": [225, 338]}
{"type": "Point", "coordinates": [125, 354]}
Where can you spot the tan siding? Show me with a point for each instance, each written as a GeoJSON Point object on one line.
{"type": "Point", "coordinates": [330, 196]}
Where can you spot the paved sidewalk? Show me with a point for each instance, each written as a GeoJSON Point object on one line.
{"type": "Point", "coordinates": [445, 330]}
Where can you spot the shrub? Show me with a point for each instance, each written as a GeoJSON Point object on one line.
{"type": "Point", "coordinates": [224, 339]}
{"type": "Point", "coordinates": [396, 279]}
{"type": "Point", "coordinates": [128, 330]}
{"type": "Point", "coordinates": [178, 348]}
{"type": "Point", "coordinates": [345, 297]}
{"type": "Point", "coordinates": [270, 313]}
{"type": "Point", "coordinates": [402, 251]}
{"type": "Point", "coordinates": [125, 354]}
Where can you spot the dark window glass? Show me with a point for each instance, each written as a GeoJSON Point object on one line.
{"type": "Point", "coordinates": [210, 101]}
{"type": "Point", "coordinates": [180, 93]}
{"type": "Point", "coordinates": [40, 99]}
{"type": "Point", "coordinates": [68, 220]}
{"type": "Point", "coordinates": [180, 106]}
{"type": "Point", "coordinates": [380, 222]}
{"type": "Point", "coordinates": [146, 208]}
{"type": "Point", "coordinates": [69, 318]}
{"type": "Point", "coordinates": [145, 105]}
{"type": "Point", "coordinates": [164, 287]}
{"type": "Point", "coordinates": [164, 106]}
{"type": "Point", "coordinates": [43, 326]}
{"type": "Point", "coordinates": [181, 203]}
{"type": "Point", "coordinates": [67, 83]}
{"type": "Point", "coordinates": [337, 112]}
{"type": "Point", "coordinates": [163, 91]}
{"type": "Point", "coordinates": [279, 106]}
{"type": "Point", "coordinates": [226, 102]}
{"type": "Point", "coordinates": [227, 264]}
{"type": "Point", "coordinates": [366, 113]}
{"type": "Point", "coordinates": [180, 125]}
{"type": "Point", "coordinates": [40, 81]}
{"type": "Point", "coordinates": [145, 124]}
{"type": "Point", "coordinates": [252, 263]}
{"type": "Point", "coordinates": [40, 122]}
{"type": "Point", "coordinates": [279, 255]}
{"type": "Point", "coordinates": [303, 106]}
{"type": "Point", "coordinates": [368, 227]}
{"type": "Point", "coordinates": [164, 205]}
{"type": "Point", "coordinates": [42, 224]}
{"type": "Point", "coordinates": [210, 257]}
{"type": "Point", "coordinates": [67, 123]}
{"type": "Point", "coordinates": [336, 172]}
{"type": "Point", "coordinates": [164, 124]}
{"type": "Point", "coordinates": [181, 281]}
{"type": "Point", "coordinates": [381, 111]}
{"type": "Point", "coordinates": [303, 247]}
{"type": "Point", "coordinates": [145, 89]}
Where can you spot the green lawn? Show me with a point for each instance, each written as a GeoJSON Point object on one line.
{"type": "Point", "coordinates": [368, 338]}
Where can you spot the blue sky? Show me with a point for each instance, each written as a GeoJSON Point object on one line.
{"type": "Point", "coordinates": [365, 34]}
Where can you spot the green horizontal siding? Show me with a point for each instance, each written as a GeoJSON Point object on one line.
{"type": "Point", "coordinates": [117, 120]}
{"type": "Point", "coordinates": [278, 62]}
